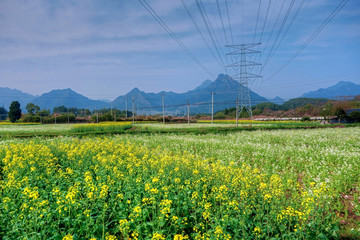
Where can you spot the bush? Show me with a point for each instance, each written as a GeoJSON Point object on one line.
{"type": "Point", "coordinates": [220, 115]}
{"type": "Point", "coordinates": [306, 119]}
{"type": "Point", "coordinates": [355, 116]}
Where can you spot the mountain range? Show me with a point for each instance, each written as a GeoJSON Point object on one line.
{"type": "Point", "coordinates": [224, 89]}
{"type": "Point", "coordinates": [341, 89]}
{"type": "Point", "coordinates": [7, 95]}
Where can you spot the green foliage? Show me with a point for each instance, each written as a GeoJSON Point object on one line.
{"type": "Point", "coordinates": [267, 105]}
{"type": "Point", "coordinates": [44, 113]}
{"type": "Point", "coordinates": [327, 110]}
{"type": "Point", "coordinates": [46, 118]}
{"type": "Point", "coordinates": [106, 128]}
{"type": "Point", "coordinates": [72, 110]}
{"type": "Point", "coordinates": [244, 114]}
{"type": "Point", "coordinates": [32, 108]}
{"type": "Point", "coordinates": [14, 111]}
{"type": "Point", "coordinates": [98, 117]}
{"type": "Point", "coordinates": [31, 118]}
{"type": "Point", "coordinates": [219, 115]}
{"type": "Point", "coordinates": [340, 113]}
{"type": "Point", "coordinates": [299, 102]}
{"type": "Point", "coordinates": [355, 116]}
{"type": "Point", "coordinates": [60, 109]}
{"type": "Point", "coordinates": [226, 113]}
{"type": "Point", "coordinates": [305, 119]}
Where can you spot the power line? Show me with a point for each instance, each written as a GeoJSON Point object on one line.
{"type": "Point", "coordinates": [199, 31]}
{"type": "Point", "coordinates": [276, 21]}
{"type": "Point", "coordinates": [263, 28]}
{"type": "Point", "coordinates": [271, 53]}
{"type": "Point", "coordinates": [289, 26]}
{"type": "Point", "coordinates": [257, 20]}
{"type": "Point", "coordinates": [208, 25]}
{"type": "Point", "coordinates": [172, 34]}
{"type": "Point", "coordinates": [223, 27]}
{"type": "Point", "coordinates": [222, 22]}
{"type": "Point", "coordinates": [227, 12]}
{"type": "Point", "coordinates": [309, 40]}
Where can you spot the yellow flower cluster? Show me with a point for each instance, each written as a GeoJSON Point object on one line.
{"type": "Point", "coordinates": [132, 192]}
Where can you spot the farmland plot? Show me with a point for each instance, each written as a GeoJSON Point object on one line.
{"type": "Point", "coordinates": [252, 185]}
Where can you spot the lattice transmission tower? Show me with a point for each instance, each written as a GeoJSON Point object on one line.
{"type": "Point", "coordinates": [242, 54]}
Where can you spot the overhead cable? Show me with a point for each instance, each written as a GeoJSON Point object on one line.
{"type": "Point", "coordinates": [309, 40]}
{"type": "Point", "coordinates": [172, 34]}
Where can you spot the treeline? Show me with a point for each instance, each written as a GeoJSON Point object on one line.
{"type": "Point", "coordinates": [61, 114]}
{"type": "Point", "coordinates": [299, 107]}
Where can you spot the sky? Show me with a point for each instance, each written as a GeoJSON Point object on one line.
{"type": "Point", "coordinates": [103, 49]}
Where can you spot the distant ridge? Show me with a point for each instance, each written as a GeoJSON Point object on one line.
{"type": "Point", "coordinates": [277, 100]}
{"type": "Point", "coordinates": [224, 87]}
{"type": "Point", "coordinates": [68, 98]}
{"type": "Point", "coordinates": [204, 84]}
{"type": "Point", "coordinates": [7, 95]}
{"type": "Point", "coordinates": [342, 88]}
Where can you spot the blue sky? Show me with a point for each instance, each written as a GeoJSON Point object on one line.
{"type": "Point", "coordinates": [103, 49]}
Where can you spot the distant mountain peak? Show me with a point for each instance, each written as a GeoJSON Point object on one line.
{"type": "Point", "coordinates": [342, 88]}
{"type": "Point", "coordinates": [66, 97]}
{"type": "Point", "coordinates": [204, 84]}
{"type": "Point", "coordinates": [347, 83]}
{"type": "Point", "coordinates": [134, 91]}
{"type": "Point", "coordinates": [223, 77]}
{"type": "Point", "coordinates": [277, 100]}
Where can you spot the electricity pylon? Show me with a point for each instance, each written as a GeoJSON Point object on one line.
{"type": "Point", "coordinates": [242, 67]}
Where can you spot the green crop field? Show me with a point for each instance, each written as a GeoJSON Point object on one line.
{"type": "Point", "coordinates": [261, 184]}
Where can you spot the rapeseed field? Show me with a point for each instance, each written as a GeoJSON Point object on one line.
{"type": "Point", "coordinates": [123, 187]}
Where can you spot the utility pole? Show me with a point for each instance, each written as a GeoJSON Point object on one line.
{"type": "Point", "coordinates": [243, 67]}
{"type": "Point", "coordinates": [188, 111]}
{"type": "Point", "coordinates": [126, 107]}
{"type": "Point", "coordinates": [212, 107]}
{"type": "Point", "coordinates": [163, 105]}
{"type": "Point", "coordinates": [68, 116]}
{"type": "Point", "coordinates": [133, 112]}
{"type": "Point", "coordinates": [55, 117]}
{"type": "Point", "coordinates": [114, 113]}
{"type": "Point", "coordinates": [237, 112]}
{"type": "Point", "coordinates": [97, 115]}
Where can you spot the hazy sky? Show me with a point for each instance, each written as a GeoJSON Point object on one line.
{"type": "Point", "coordinates": [103, 49]}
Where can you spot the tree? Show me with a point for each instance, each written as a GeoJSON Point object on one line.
{"type": "Point", "coordinates": [44, 113]}
{"type": "Point", "coordinates": [60, 109]}
{"type": "Point", "coordinates": [340, 113]}
{"type": "Point", "coordinates": [32, 108]}
{"type": "Point", "coordinates": [355, 116]}
{"type": "Point", "coordinates": [14, 111]}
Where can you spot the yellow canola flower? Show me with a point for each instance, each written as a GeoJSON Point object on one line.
{"type": "Point", "coordinates": [158, 236]}
{"type": "Point", "coordinates": [111, 237]}
{"type": "Point", "coordinates": [107, 170]}
{"type": "Point", "coordinates": [68, 237]}
{"type": "Point", "coordinates": [180, 237]}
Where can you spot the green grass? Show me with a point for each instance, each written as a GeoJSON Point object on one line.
{"type": "Point", "coordinates": [53, 130]}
